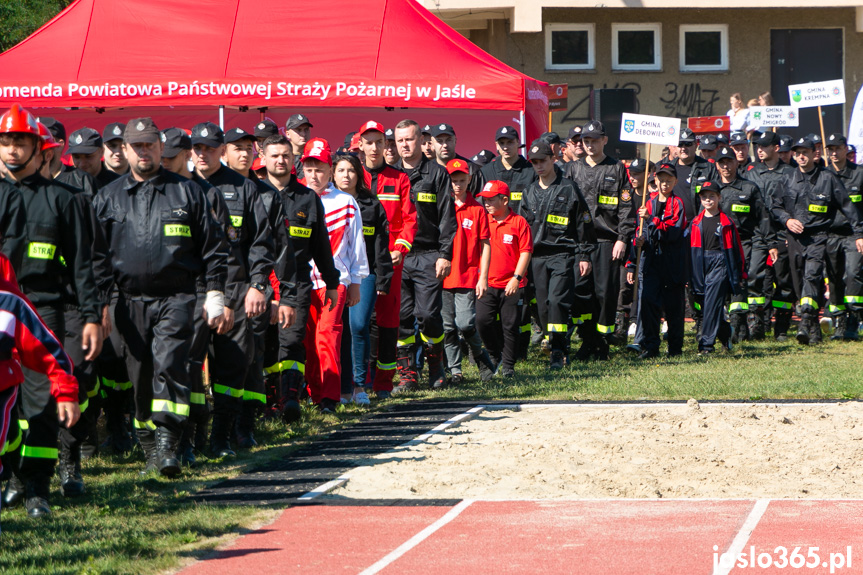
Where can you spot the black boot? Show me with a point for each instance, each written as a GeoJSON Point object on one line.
{"type": "Point", "coordinates": [166, 451]}
{"type": "Point", "coordinates": [621, 325]}
{"type": "Point", "coordinates": [804, 327]}
{"type": "Point", "coordinates": [406, 365]}
{"type": "Point", "coordinates": [437, 377]}
{"type": "Point", "coordinates": [36, 497]}
{"type": "Point", "coordinates": [69, 471]}
{"type": "Point", "coordinates": [147, 440]}
{"type": "Point", "coordinates": [755, 324]}
{"type": "Point", "coordinates": [839, 326]}
{"type": "Point", "coordinates": [185, 448]}
{"type": "Point", "coordinates": [220, 432]}
{"type": "Point", "coordinates": [288, 405]}
{"type": "Point", "coordinates": [852, 326]}
{"type": "Point", "coordinates": [14, 492]}
{"type": "Point", "coordinates": [815, 329]}
{"type": "Point", "coordinates": [245, 427]}
{"type": "Point", "coordinates": [738, 322]}
{"type": "Point", "coordinates": [783, 322]}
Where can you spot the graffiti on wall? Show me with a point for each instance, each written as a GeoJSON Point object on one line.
{"type": "Point", "coordinates": [680, 100]}
{"type": "Point", "coordinates": [689, 100]}
{"type": "Point", "coordinates": [580, 94]}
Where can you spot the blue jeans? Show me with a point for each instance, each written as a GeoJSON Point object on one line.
{"type": "Point", "coordinates": [361, 317]}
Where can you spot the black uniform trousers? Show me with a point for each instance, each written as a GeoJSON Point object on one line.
{"type": "Point", "coordinates": [555, 292]}
{"type": "Point", "coordinates": [158, 336]}
{"type": "Point", "coordinates": [655, 294]}
{"type": "Point", "coordinates": [808, 265]}
{"type": "Point", "coordinates": [712, 303]}
{"type": "Point", "coordinates": [626, 301]}
{"type": "Point", "coordinates": [254, 392]}
{"type": "Point", "coordinates": [845, 270]}
{"type": "Point", "coordinates": [501, 338]}
{"type": "Point", "coordinates": [114, 384]}
{"type": "Point", "coordinates": [780, 276]}
{"type": "Point", "coordinates": [230, 356]}
{"type": "Point", "coordinates": [422, 299]}
{"type": "Point", "coordinates": [754, 294]}
{"type": "Point", "coordinates": [292, 351]}
{"type": "Point", "coordinates": [596, 294]}
{"type": "Point", "coordinates": [31, 445]}
{"type": "Point", "coordinates": [89, 399]}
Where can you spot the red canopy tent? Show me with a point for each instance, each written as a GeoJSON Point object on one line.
{"type": "Point", "coordinates": [274, 54]}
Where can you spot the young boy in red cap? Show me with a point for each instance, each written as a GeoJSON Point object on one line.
{"type": "Point", "coordinates": [25, 340]}
{"type": "Point", "coordinates": [324, 328]}
{"type": "Point", "coordinates": [463, 285]}
{"type": "Point", "coordinates": [717, 267]}
{"type": "Point", "coordinates": [505, 273]}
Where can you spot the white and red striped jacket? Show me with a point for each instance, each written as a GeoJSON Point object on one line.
{"type": "Point", "coordinates": [345, 228]}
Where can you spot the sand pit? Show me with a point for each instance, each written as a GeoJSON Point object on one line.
{"type": "Point", "coordinates": [682, 451]}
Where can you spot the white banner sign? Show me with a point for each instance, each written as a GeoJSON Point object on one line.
{"type": "Point", "coordinates": [769, 116]}
{"type": "Point", "coordinates": [650, 129]}
{"type": "Point", "coordinates": [855, 129]}
{"type": "Point", "coordinates": [817, 94]}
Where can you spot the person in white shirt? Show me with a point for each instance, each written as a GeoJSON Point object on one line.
{"type": "Point", "coordinates": [739, 113]}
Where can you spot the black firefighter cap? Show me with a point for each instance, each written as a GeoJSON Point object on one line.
{"type": "Point", "coordinates": [176, 140]}
{"type": "Point", "coordinates": [113, 131]}
{"type": "Point", "coordinates": [85, 141]}
{"type": "Point", "coordinates": [209, 134]}
{"type": "Point", "coordinates": [539, 149]}
{"type": "Point", "coordinates": [141, 130]}
{"type": "Point", "coordinates": [266, 128]}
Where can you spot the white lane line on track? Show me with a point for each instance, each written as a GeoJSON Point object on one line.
{"type": "Point", "coordinates": [743, 535]}
{"type": "Point", "coordinates": [417, 539]}
{"type": "Point", "coordinates": [345, 477]}
{"type": "Point", "coordinates": [325, 488]}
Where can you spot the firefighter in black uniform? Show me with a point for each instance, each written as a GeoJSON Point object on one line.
{"type": "Point", "coordinates": [58, 252]}
{"type": "Point", "coordinates": [303, 221]}
{"type": "Point", "coordinates": [84, 434]}
{"type": "Point", "coordinates": [739, 144]}
{"type": "Point", "coordinates": [601, 181]}
{"type": "Point", "coordinates": [807, 208]}
{"type": "Point", "coordinates": [743, 202]}
{"type": "Point", "coordinates": [563, 233]}
{"type": "Point", "coordinates": [85, 146]}
{"type": "Point", "coordinates": [114, 387]}
{"type": "Point", "coordinates": [250, 238]}
{"type": "Point", "coordinates": [770, 174]}
{"type": "Point", "coordinates": [161, 236]}
{"type": "Point", "coordinates": [844, 264]}
{"type": "Point", "coordinates": [516, 172]}
{"type": "Point", "coordinates": [639, 169]}
{"type": "Point", "coordinates": [483, 158]}
{"type": "Point", "coordinates": [430, 258]}
{"type": "Point", "coordinates": [298, 129]}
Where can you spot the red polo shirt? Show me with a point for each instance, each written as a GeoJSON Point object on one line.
{"type": "Point", "coordinates": [509, 239]}
{"type": "Point", "coordinates": [472, 221]}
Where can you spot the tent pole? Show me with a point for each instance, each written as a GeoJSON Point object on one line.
{"type": "Point", "coordinates": [521, 126]}
{"type": "Point", "coordinates": [222, 117]}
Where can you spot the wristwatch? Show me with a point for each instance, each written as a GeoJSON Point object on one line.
{"type": "Point", "coordinates": [518, 277]}
{"type": "Point", "coordinates": [259, 287]}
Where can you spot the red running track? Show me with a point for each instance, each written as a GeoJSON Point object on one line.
{"type": "Point", "coordinates": [615, 537]}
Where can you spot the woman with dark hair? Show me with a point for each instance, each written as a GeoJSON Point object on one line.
{"type": "Point", "coordinates": [348, 177]}
{"type": "Point", "coordinates": [766, 99]}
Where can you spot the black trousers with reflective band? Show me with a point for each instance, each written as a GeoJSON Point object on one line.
{"type": "Point", "coordinates": [808, 267]}
{"type": "Point", "coordinates": [845, 270]}
{"type": "Point", "coordinates": [89, 398]}
{"type": "Point", "coordinates": [158, 336]}
{"type": "Point", "coordinates": [292, 350]}
{"type": "Point", "coordinates": [422, 298]}
{"type": "Point", "coordinates": [555, 290]}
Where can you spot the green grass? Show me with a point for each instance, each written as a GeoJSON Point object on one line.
{"type": "Point", "coordinates": [132, 524]}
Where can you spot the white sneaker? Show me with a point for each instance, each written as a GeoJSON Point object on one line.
{"type": "Point", "coordinates": [664, 328]}
{"type": "Point", "coordinates": [632, 329]}
{"type": "Point", "coordinates": [360, 397]}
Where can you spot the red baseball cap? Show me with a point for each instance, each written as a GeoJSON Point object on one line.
{"type": "Point", "coordinates": [456, 165]}
{"type": "Point", "coordinates": [355, 142]}
{"type": "Point", "coordinates": [371, 125]}
{"type": "Point", "coordinates": [494, 188]}
{"type": "Point", "coordinates": [319, 149]}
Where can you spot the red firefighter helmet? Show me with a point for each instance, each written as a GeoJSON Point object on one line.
{"type": "Point", "coordinates": [18, 120]}
{"type": "Point", "coordinates": [47, 137]}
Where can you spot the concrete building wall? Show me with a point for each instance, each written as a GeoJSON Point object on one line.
{"type": "Point", "coordinates": [670, 92]}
